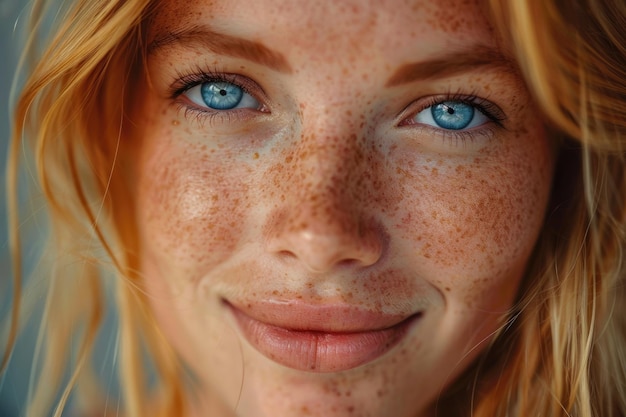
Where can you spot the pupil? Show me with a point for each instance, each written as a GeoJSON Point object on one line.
{"type": "Point", "coordinates": [223, 92]}
{"type": "Point", "coordinates": [450, 110]}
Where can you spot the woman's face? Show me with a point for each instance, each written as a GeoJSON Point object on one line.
{"type": "Point", "coordinates": [336, 200]}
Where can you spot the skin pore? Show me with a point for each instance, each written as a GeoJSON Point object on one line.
{"type": "Point", "coordinates": [329, 197]}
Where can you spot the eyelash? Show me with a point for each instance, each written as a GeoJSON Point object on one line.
{"type": "Point", "coordinates": [486, 107]}
{"type": "Point", "coordinates": [489, 109]}
{"type": "Point", "coordinates": [187, 81]}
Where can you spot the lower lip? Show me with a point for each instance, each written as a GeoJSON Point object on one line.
{"type": "Point", "coordinates": [318, 351]}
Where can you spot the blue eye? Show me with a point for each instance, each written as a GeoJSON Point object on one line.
{"type": "Point", "coordinates": [221, 96]}
{"type": "Point", "coordinates": [451, 115]}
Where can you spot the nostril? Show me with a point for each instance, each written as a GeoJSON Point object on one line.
{"type": "Point", "coordinates": [286, 254]}
{"type": "Point", "coordinates": [349, 263]}
{"type": "Point", "coordinates": [323, 246]}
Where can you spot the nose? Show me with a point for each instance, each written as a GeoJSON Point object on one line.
{"type": "Point", "coordinates": [324, 218]}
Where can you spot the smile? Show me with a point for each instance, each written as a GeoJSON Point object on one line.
{"type": "Point", "coordinates": [320, 338]}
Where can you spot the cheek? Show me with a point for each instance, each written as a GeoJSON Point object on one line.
{"type": "Point", "coordinates": [472, 222]}
{"type": "Point", "coordinates": [472, 213]}
{"type": "Point", "coordinates": [190, 206]}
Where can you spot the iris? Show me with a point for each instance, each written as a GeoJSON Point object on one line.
{"type": "Point", "coordinates": [221, 95]}
{"type": "Point", "coordinates": [453, 115]}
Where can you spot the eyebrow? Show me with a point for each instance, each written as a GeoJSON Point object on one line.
{"type": "Point", "coordinates": [447, 65]}
{"type": "Point", "coordinates": [453, 63]}
{"type": "Point", "coordinates": [203, 38]}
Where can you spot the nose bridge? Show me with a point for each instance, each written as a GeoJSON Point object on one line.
{"type": "Point", "coordinates": [333, 140]}
{"type": "Point", "coordinates": [326, 164]}
{"type": "Point", "coordinates": [322, 218]}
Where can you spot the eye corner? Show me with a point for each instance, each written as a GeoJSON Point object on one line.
{"type": "Point", "coordinates": [217, 94]}
{"type": "Point", "coordinates": [465, 111]}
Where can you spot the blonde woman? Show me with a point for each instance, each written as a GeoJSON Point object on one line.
{"type": "Point", "coordinates": [394, 208]}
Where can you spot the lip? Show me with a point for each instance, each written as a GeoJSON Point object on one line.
{"type": "Point", "coordinates": [319, 338]}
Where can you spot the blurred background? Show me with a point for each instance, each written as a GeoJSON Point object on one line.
{"type": "Point", "coordinates": [13, 384]}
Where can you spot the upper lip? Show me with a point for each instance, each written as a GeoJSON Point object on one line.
{"type": "Point", "coordinates": [328, 318]}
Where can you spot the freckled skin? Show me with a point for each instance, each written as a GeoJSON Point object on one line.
{"type": "Point", "coordinates": [327, 196]}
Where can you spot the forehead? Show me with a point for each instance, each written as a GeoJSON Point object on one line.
{"type": "Point", "coordinates": [354, 27]}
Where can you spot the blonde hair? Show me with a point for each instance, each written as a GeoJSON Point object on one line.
{"type": "Point", "coordinates": [566, 353]}
{"type": "Point", "coordinates": [559, 354]}
{"type": "Point", "coordinates": [73, 109]}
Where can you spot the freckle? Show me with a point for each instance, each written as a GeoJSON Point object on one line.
{"type": "Point", "coordinates": [175, 122]}
{"type": "Point", "coordinates": [256, 155]}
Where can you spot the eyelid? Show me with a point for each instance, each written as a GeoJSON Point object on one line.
{"type": "Point", "coordinates": [491, 110]}
{"type": "Point", "coordinates": [187, 81]}
{"type": "Point", "coordinates": [200, 114]}
{"type": "Point", "coordinates": [473, 137]}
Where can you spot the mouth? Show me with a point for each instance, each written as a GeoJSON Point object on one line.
{"type": "Point", "coordinates": [320, 338]}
